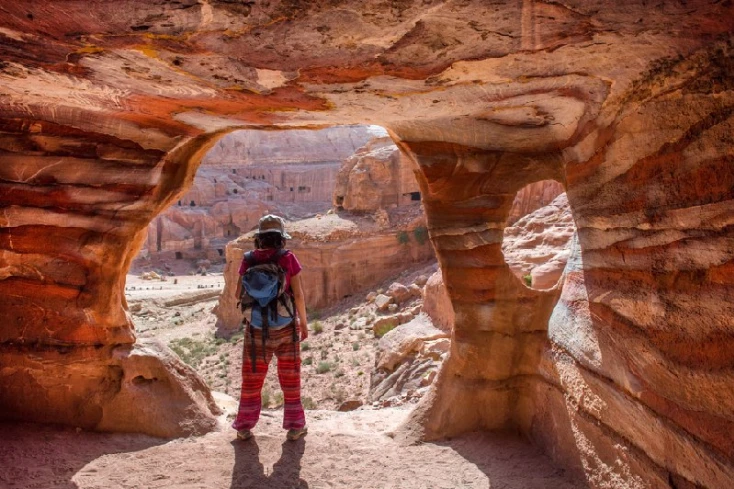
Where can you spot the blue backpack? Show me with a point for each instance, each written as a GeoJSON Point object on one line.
{"type": "Point", "coordinates": [264, 301]}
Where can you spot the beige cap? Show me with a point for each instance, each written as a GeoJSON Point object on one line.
{"type": "Point", "coordinates": [272, 224]}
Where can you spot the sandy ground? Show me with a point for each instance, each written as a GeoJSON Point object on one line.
{"type": "Point", "coordinates": [138, 289]}
{"type": "Point", "coordinates": [342, 450]}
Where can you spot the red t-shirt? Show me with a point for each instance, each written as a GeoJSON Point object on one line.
{"type": "Point", "coordinates": [288, 262]}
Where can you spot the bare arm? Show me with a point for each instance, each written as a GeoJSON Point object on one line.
{"type": "Point", "coordinates": [297, 286]}
{"type": "Point", "coordinates": [238, 291]}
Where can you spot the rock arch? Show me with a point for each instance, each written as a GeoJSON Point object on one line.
{"type": "Point", "coordinates": [99, 132]}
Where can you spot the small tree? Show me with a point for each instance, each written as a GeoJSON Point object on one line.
{"type": "Point", "coordinates": [421, 234]}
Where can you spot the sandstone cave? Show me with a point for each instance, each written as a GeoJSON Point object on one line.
{"type": "Point", "coordinates": [621, 373]}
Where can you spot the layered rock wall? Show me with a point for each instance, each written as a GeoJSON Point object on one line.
{"type": "Point", "coordinates": [66, 341]}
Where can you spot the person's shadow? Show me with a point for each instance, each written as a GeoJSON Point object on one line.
{"type": "Point", "coordinates": [249, 472]}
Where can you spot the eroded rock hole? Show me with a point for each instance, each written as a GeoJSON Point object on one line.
{"type": "Point", "coordinates": [353, 208]}
{"type": "Point", "coordinates": [143, 381]}
{"type": "Point", "coordinates": [537, 238]}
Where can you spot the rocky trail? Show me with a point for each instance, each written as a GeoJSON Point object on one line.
{"type": "Point", "coordinates": [342, 450]}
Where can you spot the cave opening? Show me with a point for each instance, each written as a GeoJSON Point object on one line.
{"type": "Point", "coordinates": [354, 198]}
{"type": "Point", "coordinates": [536, 242]}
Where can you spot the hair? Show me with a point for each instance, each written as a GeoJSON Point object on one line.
{"type": "Point", "coordinates": [269, 241]}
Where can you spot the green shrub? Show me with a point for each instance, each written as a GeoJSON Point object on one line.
{"type": "Point", "coordinates": [305, 346]}
{"type": "Point", "coordinates": [528, 280]}
{"type": "Point", "coordinates": [324, 367]}
{"type": "Point", "coordinates": [318, 328]}
{"type": "Point", "coordinates": [421, 234]}
{"type": "Point", "coordinates": [265, 396]}
{"type": "Point", "coordinates": [308, 361]}
{"type": "Point", "coordinates": [403, 237]}
{"type": "Point", "coordinates": [355, 346]}
{"type": "Point", "coordinates": [191, 351]}
{"type": "Point", "coordinates": [278, 399]}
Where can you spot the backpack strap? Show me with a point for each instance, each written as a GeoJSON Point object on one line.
{"type": "Point", "coordinates": [250, 258]}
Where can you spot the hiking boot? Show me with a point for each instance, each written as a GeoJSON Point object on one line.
{"type": "Point", "coordinates": [244, 435]}
{"type": "Point", "coordinates": [295, 433]}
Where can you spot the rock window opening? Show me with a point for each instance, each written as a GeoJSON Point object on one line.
{"type": "Point", "coordinates": [371, 182]}
{"type": "Point", "coordinates": [537, 237]}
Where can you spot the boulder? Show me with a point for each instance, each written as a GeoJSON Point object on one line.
{"type": "Point", "coordinates": [437, 304]}
{"type": "Point", "coordinates": [399, 293]}
{"type": "Point", "coordinates": [350, 405]}
{"type": "Point", "coordinates": [397, 344]}
{"type": "Point", "coordinates": [421, 280]}
{"type": "Point", "coordinates": [407, 360]}
{"type": "Point", "coordinates": [382, 302]}
{"type": "Point", "coordinates": [537, 246]}
{"type": "Point", "coordinates": [359, 324]}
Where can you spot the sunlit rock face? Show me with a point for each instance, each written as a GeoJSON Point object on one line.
{"type": "Point", "coordinates": [377, 176]}
{"type": "Point", "coordinates": [246, 175]}
{"type": "Point", "coordinates": [628, 104]}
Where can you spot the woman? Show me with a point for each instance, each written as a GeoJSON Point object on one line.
{"type": "Point", "coordinates": [279, 340]}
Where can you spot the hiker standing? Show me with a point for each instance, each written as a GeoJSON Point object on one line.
{"type": "Point", "coordinates": [273, 327]}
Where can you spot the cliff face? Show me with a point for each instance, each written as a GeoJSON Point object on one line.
{"type": "Point", "coordinates": [104, 119]}
{"type": "Point", "coordinates": [248, 174]}
{"type": "Point", "coordinates": [377, 176]}
{"type": "Point", "coordinates": [271, 148]}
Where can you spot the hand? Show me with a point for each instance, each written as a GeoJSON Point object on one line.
{"type": "Point", "coordinates": [302, 328]}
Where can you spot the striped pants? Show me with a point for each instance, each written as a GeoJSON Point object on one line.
{"type": "Point", "coordinates": [279, 342]}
